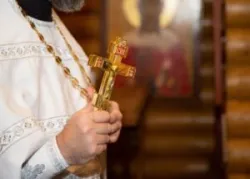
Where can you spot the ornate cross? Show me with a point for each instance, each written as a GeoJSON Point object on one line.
{"type": "Point", "coordinates": [112, 67]}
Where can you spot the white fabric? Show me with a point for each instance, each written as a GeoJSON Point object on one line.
{"type": "Point", "coordinates": [36, 99]}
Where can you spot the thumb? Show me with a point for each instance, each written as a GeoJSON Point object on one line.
{"type": "Point", "coordinates": [91, 91]}
{"type": "Point", "coordinates": [88, 108]}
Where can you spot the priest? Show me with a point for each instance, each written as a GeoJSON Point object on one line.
{"type": "Point", "coordinates": [47, 123]}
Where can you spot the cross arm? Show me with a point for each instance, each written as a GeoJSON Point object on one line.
{"type": "Point", "coordinates": [126, 70]}
{"type": "Point", "coordinates": [96, 61]}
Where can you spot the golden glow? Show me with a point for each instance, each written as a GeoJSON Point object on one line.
{"type": "Point", "coordinates": [132, 14]}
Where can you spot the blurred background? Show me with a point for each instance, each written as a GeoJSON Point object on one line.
{"type": "Point", "coordinates": [186, 113]}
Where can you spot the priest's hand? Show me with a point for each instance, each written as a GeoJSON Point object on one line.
{"type": "Point", "coordinates": [115, 118]}
{"type": "Point", "coordinates": [88, 132]}
{"type": "Point", "coordinates": [85, 135]}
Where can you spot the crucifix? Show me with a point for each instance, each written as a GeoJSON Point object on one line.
{"type": "Point", "coordinates": [112, 66]}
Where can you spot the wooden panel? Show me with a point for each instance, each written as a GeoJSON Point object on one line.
{"type": "Point", "coordinates": [239, 176]}
{"type": "Point", "coordinates": [160, 145]}
{"type": "Point", "coordinates": [238, 119]}
{"type": "Point", "coordinates": [183, 122]}
{"type": "Point", "coordinates": [206, 27]}
{"type": "Point", "coordinates": [86, 26]}
{"type": "Point", "coordinates": [208, 9]}
{"type": "Point", "coordinates": [207, 52]}
{"type": "Point", "coordinates": [90, 45]}
{"type": "Point", "coordinates": [238, 83]}
{"type": "Point", "coordinates": [238, 155]}
{"type": "Point", "coordinates": [207, 95]}
{"type": "Point", "coordinates": [92, 6]}
{"type": "Point", "coordinates": [165, 167]}
{"type": "Point", "coordinates": [237, 13]}
{"type": "Point", "coordinates": [238, 47]}
{"type": "Point", "coordinates": [207, 75]}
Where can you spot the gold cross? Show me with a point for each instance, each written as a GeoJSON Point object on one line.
{"type": "Point", "coordinates": [112, 67]}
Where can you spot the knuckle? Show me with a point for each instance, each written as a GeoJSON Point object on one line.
{"type": "Point", "coordinates": [113, 139]}
{"type": "Point", "coordinates": [115, 104]}
{"type": "Point", "coordinates": [104, 147]}
{"type": "Point", "coordinates": [111, 128]}
{"type": "Point", "coordinates": [120, 115]}
{"type": "Point", "coordinates": [119, 125]}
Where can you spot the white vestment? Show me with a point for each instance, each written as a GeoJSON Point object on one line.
{"type": "Point", "coordinates": [36, 99]}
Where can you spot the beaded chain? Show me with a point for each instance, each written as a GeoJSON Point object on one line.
{"type": "Point", "coordinates": [50, 49]}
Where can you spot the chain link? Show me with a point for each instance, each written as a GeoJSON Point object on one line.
{"type": "Point", "coordinates": [75, 83]}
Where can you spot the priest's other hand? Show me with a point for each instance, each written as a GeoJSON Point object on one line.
{"type": "Point", "coordinates": [88, 132]}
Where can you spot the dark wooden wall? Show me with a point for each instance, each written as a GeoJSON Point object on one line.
{"type": "Point", "coordinates": [87, 26]}
{"type": "Point", "coordinates": [237, 142]}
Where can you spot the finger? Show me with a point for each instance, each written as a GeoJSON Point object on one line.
{"type": "Point", "coordinates": [113, 106]}
{"type": "Point", "coordinates": [115, 116]}
{"type": "Point", "coordinates": [102, 139]}
{"type": "Point", "coordinates": [101, 148]}
{"type": "Point", "coordinates": [103, 128]}
{"type": "Point", "coordinates": [114, 137]}
{"type": "Point", "coordinates": [115, 113]}
{"type": "Point", "coordinates": [101, 116]}
{"type": "Point", "coordinates": [116, 127]}
{"type": "Point", "coordinates": [90, 91]}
